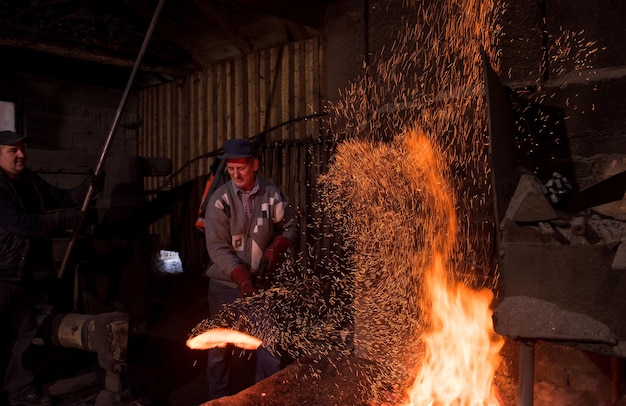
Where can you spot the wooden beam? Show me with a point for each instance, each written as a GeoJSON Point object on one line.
{"type": "Point", "coordinates": [226, 25]}
{"type": "Point", "coordinates": [309, 13]}
{"type": "Point", "coordinates": [296, 31]}
{"type": "Point", "coordinates": [85, 55]}
{"type": "Point", "coordinates": [166, 30]}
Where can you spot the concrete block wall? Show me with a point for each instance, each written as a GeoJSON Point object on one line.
{"type": "Point", "coordinates": [68, 123]}
{"type": "Point", "coordinates": [588, 83]}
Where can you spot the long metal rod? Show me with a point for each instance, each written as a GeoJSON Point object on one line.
{"type": "Point", "coordinates": [109, 140]}
{"type": "Point", "coordinates": [526, 372]}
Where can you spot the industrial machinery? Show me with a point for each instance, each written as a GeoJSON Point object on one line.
{"type": "Point", "coordinates": [562, 265]}
{"type": "Point", "coordinates": [105, 294]}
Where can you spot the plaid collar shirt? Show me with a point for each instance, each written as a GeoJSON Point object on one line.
{"type": "Point", "coordinates": [247, 198]}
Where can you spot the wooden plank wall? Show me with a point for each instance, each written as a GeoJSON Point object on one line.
{"type": "Point", "coordinates": [239, 98]}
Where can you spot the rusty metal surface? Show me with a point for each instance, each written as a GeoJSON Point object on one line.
{"type": "Point", "coordinates": [561, 285]}
{"type": "Point", "coordinates": [501, 140]}
{"type": "Point", "coordinates": [578, 278]}
{"type": "Point", "coordinates": [559, 279]}
{"type": "Point", "coordinates": [524, 317]}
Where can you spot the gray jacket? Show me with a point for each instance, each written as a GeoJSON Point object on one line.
{"type": "Point", "coordinates": [232, 240]}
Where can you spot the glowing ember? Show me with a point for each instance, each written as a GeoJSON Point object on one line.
{"type": "Point", "coordinates": [220, 337]}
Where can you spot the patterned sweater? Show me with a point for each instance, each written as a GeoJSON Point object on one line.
{"type": "Point", "coordinates": [232, 240]}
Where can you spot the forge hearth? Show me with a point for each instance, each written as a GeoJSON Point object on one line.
{"type": "Point", "coordinates": [562, 279]}
{"type": "Point", "coordinates": [561, 262]}
{"type": "Point", "coordinates": [562, 275]}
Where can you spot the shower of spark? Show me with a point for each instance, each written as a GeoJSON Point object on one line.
{"type": "Point", "coordinates": [375, 196]}
{"type": "Point", "coordinates": [430, 78]}
{"type": "Point", "coordinates": [375, 205]}
{"type": "Point", "coordinates": [411, 306]}
{"type": "Point", "coordinates": [407, 265]}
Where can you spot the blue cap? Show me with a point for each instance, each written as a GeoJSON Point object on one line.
{"type": "Point", "coordinates": [238, 148]}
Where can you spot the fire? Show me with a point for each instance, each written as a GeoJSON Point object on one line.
{"type": "Point", "coordinates": [220, 337]}
{"type": "Point", "coordinates": [461, 349]}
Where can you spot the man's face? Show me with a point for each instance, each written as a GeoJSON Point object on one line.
{"type": "Point", "coordinates": [13, 159]}
{"type": "Point", "coordinates": [243, 172]}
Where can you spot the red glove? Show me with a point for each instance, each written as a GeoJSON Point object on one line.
{"type": "Point", "coordinates": [272, 256]}
{"type": "Point", "coordinates": [243, 277]}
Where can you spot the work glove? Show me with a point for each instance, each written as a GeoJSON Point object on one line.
{"type": "Point", "coordinates": [91, 179]}
{"type": "Point", "coordinates": [243, 277]}
{"type": "Point", "coordinates": [60, 221]}
{"type": "Point", "coordinates": [273, 255]}
{"type": "Point", "coordinates": [96, 181]}
{"type": "Point", "coordinates": [70, 219]}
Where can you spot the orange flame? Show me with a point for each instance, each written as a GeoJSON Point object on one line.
{"type": "Point", "coordinates": [461, 347]}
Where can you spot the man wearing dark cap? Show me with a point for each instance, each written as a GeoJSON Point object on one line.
{"type": "Point", "coordinates": [249, 225]}
{"type": "Point", "coordinates": [26, 261]}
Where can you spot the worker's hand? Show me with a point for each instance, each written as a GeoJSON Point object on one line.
{"type": "Point", "coordinates": [91, 180]}
{"type": "Point", "coordinates": [90, 217]}
{"type": "Point", "coordinates": [70, 219]}
{"type": "Point", "coordinates": [96, 181]}
{"type": "Point", "coordinates": [243, 277]}
{"type": "Point", "coordinates": [272, 256]}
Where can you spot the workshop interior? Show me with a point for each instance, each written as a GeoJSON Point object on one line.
{"type": "Point", "coordinates": [523, 101]}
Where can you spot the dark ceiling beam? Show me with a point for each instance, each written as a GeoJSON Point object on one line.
{"type": "Point", "coordinates": [298, 32]}
{"type": "Point", "coordinates": [309, 13]}
{"type": "Point", "coordinates": [166, 30]}
{"type": "Point", "coordinates": [226, 25]}
{"type": "Point", "coordinates": [97, 57]}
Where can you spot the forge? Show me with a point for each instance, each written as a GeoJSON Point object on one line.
{"type": "Point", "coordinates": [557, 287]}
{"type": "Point", "coordinates": [559, 247]}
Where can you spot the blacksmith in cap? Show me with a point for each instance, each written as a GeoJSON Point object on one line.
{"type": "Point", "coordinates": [249, 226]}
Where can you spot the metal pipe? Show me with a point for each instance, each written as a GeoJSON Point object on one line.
{"type": "Point", "coordinates": [526, 372]}
{"type": "Point", "coordinates": [109, 140]}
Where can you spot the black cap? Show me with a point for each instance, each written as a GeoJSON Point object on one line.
{"type": "Point", "coordinates": [10, 138]}
{"type": "Point", "coordinates": [238, 148]}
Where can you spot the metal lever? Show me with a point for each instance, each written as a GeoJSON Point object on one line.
{"type": "Point", "coordinates": [109, 140]}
